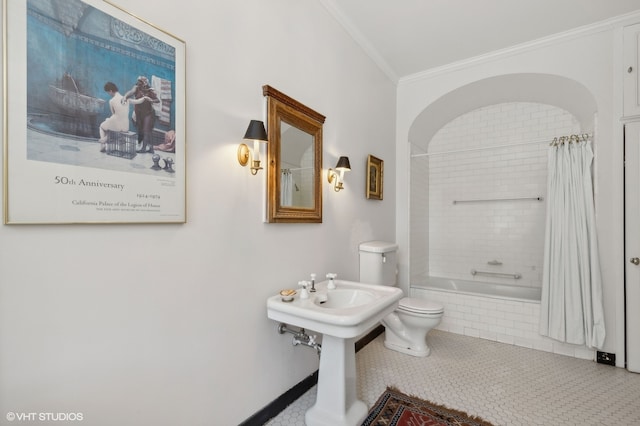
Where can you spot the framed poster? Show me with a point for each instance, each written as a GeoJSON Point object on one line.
{"type": "Point", "coordinates": [94, 116]}
{"type": "Point", "coordinates": [375, 177]}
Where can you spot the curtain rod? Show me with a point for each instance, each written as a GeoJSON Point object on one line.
{"type": "Point", "coordinates": [536, 141]}
{"type": "Point", "coordinates": [570, 139]}
{"type": "Point", "coordinates": [297, 169]}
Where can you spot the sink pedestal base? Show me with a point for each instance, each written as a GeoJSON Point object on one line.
{"type": "Point", "coordinates": [336, 402]}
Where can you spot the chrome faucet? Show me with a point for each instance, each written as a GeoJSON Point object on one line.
{"type": "Point", "coordinates": [313, 283]}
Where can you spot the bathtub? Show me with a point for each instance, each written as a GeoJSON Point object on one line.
{"type": "Point", "coordinates": [499, 312]}
{"type": "Point", "coordinates": [484, 289]}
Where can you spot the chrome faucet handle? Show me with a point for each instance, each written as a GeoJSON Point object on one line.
{"type": "Point", "coordinates": [304, 294]}
{"type": "Point", "coordinates": [332, 283]}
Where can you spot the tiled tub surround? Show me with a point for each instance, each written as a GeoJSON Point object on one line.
{"type": "Point", "coordinates": [481, 311]}
{"type": "Point", "coordinates": [497, 152]}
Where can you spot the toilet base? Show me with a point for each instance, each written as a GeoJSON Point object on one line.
{"type": "Point", "coordinates": [409, 351]}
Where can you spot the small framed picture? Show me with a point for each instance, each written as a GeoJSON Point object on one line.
{"type": "Point", "coordinates": [375, 177]}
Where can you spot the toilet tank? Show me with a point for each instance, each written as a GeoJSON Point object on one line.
{"type": "Point", "coordinates": [378, 263]}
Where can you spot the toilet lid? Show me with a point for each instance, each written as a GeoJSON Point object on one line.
{"type": "Point", "coordinates": [420, 306]}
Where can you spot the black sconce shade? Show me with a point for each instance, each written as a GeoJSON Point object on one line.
{"type": "Point", "coordinates": [256, 131]}
{"type": "Point", "coordinates": [343, 164]}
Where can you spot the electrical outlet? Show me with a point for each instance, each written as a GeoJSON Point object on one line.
{"type": "Point", "coordinates": [606, 358]}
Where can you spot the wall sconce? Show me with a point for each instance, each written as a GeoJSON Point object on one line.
{"type": "Point", "coordinates": [337, 175]}
{"type": "Point", "coordinates": [257, 134]}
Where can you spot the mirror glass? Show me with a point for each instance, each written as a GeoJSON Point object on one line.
{"type": "Point", "coordinates": [296, 167]}
{"type": "Point", "coordinates": [294, 174]}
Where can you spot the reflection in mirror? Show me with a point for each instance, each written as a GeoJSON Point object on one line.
{"type": "Point", "coordinates": [294, 193]}
{"type": "Point", "coordinates": [296, 164]}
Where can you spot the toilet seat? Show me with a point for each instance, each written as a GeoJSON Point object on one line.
{"type": "Point", "coordinates": [419, 306]}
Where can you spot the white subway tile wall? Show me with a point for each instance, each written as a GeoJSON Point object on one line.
{"type": "Point", "coordinates": [449, 240]}
{"type": "Point", "coordinates": [303, 178]}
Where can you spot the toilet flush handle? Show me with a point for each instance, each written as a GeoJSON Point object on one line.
{"type": "Point", "coordinates": [384, 258]}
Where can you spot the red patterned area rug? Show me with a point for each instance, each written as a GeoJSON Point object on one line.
{"type": "Point", "coordinates": [397, 409]}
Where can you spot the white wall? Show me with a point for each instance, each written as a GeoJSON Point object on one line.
{"type": "Point", "coordinates": [591, 58]}
{"type": "Point", "coordinates": [175, 332]}
{"type": "Point", "coordinates": [419, 214]}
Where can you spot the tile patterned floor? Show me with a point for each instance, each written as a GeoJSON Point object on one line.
{"type": "Point", "coordinates": [504, 384]}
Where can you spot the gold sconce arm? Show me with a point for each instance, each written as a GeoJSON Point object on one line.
{"type": "Point", "coordinates": [336, 177]}
{"type": "Point", "coordinates": [257, 133]}
{"type": "Point", "coordinates": [244, 156]}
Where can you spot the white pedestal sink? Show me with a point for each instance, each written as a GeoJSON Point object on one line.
{"type": "Point", "coordinates": [341, 315]}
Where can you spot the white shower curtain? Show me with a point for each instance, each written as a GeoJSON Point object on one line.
{"type": "Point", "coordinates": [571, 307]}
{"type": "Point", "coordinates": [286, 188]}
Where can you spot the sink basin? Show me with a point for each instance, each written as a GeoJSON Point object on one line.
{"type": "Point", "coordinates": [347, 311]}
{"type": "Point", "coordinates": [344, 298]}
{"type": "Point", "coordinates": [341, 315]}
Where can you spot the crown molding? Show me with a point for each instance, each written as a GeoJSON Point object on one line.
{"type": "Point", "coordinates": [585, 30]}
{"type": "Point", "coordinates": [363, 42]}
{"type": "Point", "coordinates": [360, 39]}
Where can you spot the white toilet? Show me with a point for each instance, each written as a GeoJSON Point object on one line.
{"type": "Point", "coordinates": [406, 328]}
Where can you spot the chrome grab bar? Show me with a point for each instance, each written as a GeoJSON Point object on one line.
{"type": "Point", "coordinates": [499, 199]}
{"type": "Point", "coordinates": [496, 274]}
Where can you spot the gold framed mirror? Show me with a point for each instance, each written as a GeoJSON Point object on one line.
{"type": "Point", "coordinates": [294, 191]}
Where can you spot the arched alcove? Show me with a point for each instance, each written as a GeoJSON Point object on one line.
{"type": "Point", "coordinates": [449, 240]}
{"type": "Point", "coordinates": [555, 90]}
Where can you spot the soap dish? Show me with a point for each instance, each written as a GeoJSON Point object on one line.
{"type": "Point", "coordinates": [287, 295]}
